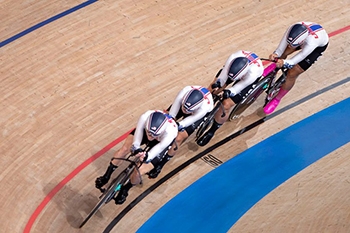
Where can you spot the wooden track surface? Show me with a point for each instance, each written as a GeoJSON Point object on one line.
{"type": "Point", "coordinates": [71, 87]}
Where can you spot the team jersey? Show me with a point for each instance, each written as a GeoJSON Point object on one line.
{"type": "Point", "coordinates": [317, 37]}
{"type": "Point", "coordinates": [199, 113]}
{"type": "Point", "coordinates": [165, 139]}
{"type": "Point", "coordinates": [255, 70]}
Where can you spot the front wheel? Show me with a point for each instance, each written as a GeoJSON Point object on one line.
{"type": "Point", "coordinates": [273, 91]}
{"type": "Point", "coordinates": [108, 195]}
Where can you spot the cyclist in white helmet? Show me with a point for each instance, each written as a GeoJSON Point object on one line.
{"type": "Point", "coordinates": [241, 69]}
{"type": "Point", "coordinates": [155, 129]}
{"type": "Point", "coordinates": [311, 40]}
{"type": "Point", "coordinates": [189, 108]}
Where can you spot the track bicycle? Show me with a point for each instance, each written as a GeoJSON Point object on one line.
{"type": "Point", "coordinates": [209, 117]}
{"type": "Point", "coordinates": [267, 82]}
{"type": "Point", "coordinates": [114, 187]}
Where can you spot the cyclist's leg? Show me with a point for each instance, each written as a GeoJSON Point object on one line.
{"type": "Point", "coordinates": [181, 137]}
{"type": "Point", "coordinates": [219, 120]}
{"type": "Point", "coordinates": [121, 153]}
{"type": "Point", "coordinates": [135, 179]}
{"type": "Point", "coordinates": [124, 150]}
{"type": "Point", "coordinates": [123, 193]}
{"type": "Point", "coordinates": [164, 157]}
{"type": "Point", "coordinates": [292, 75]}
{"type": "Point", "coordinates": [228, 104]}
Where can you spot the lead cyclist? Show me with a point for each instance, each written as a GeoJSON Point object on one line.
{"type": "Point", "coordinates": [310, 40]}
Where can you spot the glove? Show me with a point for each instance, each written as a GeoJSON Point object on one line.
{"type": "Point", "coordinates": [226, 94]}
{"type": "Point", "coordinates": [180, 128]}
{"type": "Point", "coordinates": [273, 57]}
{"type": "Point", "coordinates": [287, 65]}
{"type": "Point", "coordinates": [146, 157]}
{"type": "Point", "coordinates": [216, 85]}
{"type": "Point", "coordinates": [135, 150]}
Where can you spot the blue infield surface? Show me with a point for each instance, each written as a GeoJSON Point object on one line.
{"type": "Point", "coordinates": [216, 201]}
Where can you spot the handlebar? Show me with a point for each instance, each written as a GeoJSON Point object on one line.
{"type": "Point", "coordinates": [267, 59]}
{"type": "Point", "coordinates": [219, 98]}
{"type": "Point", "coordinates": [273, 67]}
{"type": "Point", "coordinates": [287, 66]}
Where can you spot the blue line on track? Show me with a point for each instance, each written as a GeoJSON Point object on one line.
{"type": "Point", "coordinates": [41, 24]}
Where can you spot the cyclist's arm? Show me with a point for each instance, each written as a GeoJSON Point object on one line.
{"type": "Point", "coordinates": [282, 45]}
{"type": "Point", "coordinates": [140, 129]}
{"type": "Point", "coordinates": [197, 115]}
{"type": "Point", "coordinates": [303, 53]}
{"type": "Point", "coordinates": [239, 86]}
{"type": "Point", "coordinates": [175, 107]}
{"type": "Point", "coordinates": [223, 75]}
{"type": "Point", "coordinates": [164, 142]}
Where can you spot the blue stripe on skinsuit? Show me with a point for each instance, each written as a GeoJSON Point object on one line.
{"type": "Point", "coordinates": [252, 57]}
{"type": "Point", "coordinates": [204, 90]}
{"type": "Point", "coordinates": [216, 201]}
{"type": "Point", "coordinates": [315, 27]}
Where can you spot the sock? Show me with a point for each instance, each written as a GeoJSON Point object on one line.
{"type": "Point", "coordinates": [281, 93]}
{"type": "Point", "coordinates": [127, 186]}
{"type": "Point", "coordinates": [214, 127]}
{"type": "Point", "coordinates": [110, 170]}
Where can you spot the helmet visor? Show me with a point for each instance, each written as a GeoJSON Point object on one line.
{"type": "Point", "coordinates": [186, 110]}
{"type": "Point", "coordinates": [152, 134]}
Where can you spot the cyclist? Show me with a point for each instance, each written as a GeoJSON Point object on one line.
{"type": "Point", "coordinates": [241, 69]}
{"type": "Point", "coordinates": [155, 129]}
{"type": "Point", "coordinates": [311, 40]}
{"type": "Point", "coordinates": [189, 108]}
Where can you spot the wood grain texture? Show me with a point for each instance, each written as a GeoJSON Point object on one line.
{"type": "Point", "coordinates": [72, 86]}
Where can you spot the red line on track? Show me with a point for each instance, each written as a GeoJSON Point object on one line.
{"type": "Point", "coordinates": [339, 31]}
{"type": "Point", "coordinates": [68, 178]}
{"type": "Point", "coordinates": [94, 157]}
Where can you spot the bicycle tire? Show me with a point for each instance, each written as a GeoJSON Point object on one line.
{"type": "Point", "coordinates": [108, 195]}
{"type": "Point", "coordinates": [203, 127]}
{"type": "Point", "coordinates": [250, 98]}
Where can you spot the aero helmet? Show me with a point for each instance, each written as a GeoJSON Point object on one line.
{"type": "Point", "coordinates": [156, 124]}
{"type": "Point", "coordinates": [238, 68]}
{"type": "Point", "coordinates": [297, 35]}
{"type": "Point", "coordinates": [192, 101]}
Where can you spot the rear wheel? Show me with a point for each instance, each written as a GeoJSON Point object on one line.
{"type": "Point", "coordinates": [249, 99]}
{"type": "Point", "coordinates": [108, 195]}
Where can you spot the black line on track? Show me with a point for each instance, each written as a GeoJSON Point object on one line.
{"type": "Point", "coordinates": [213, 147]}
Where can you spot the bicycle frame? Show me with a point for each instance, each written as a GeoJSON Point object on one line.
{"type": "Point", "coordinates": [265, 83]}
{"type": "Point", "coordinates": [116, 184]}
{"type": "Point", "coordinates": [209, 118]}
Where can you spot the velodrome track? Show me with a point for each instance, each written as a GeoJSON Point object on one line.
{"type": "Point", "coordinates": [71, 75]}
